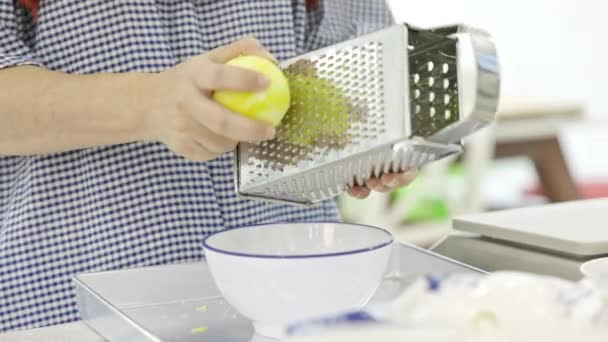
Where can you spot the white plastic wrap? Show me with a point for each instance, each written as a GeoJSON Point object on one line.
{"type": "Point", "coordinates": [473, 308]}
{"type": "Point", "coordinates": [512, 306]}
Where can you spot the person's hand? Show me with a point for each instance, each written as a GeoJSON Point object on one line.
{"type": "Point", "coordinates": [178, 110]}
{"type": "Point", "coordinates": [385, 183]}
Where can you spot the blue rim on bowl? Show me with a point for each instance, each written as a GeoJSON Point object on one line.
{"type": "Point", "coordinates": [389, 242]}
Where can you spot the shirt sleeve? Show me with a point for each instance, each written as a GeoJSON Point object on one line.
{"type": "Point", "coordinates": [13, 49]}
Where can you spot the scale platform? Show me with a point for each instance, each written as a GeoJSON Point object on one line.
{"type": "Point", "coordinates": [551, 239]}
{"type": "Point", "coordinates": [181, 303]}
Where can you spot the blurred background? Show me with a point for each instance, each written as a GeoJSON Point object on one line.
{"type": "Point", "coordinates": [550, 141]}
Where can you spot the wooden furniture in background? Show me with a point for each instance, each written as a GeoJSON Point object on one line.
{"type": "Point", "coordinates": [532, 130]}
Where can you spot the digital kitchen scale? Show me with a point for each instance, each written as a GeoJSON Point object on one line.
{"type": "Point", "coordinates": [552, 239]}
{"type": "Point", "coordinates": [180, 303]}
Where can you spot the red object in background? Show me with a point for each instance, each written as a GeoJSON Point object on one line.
{"type": "Point", "coordinates": [32, 6]}
{"type": "Point", "coordinates": [585, 191]}
{"type": "Point", "coordinates": [312, 4]}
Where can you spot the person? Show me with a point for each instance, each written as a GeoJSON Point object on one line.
{"type": "Point", "coordinates": [113, 153]}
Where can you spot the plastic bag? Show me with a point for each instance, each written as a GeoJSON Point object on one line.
{"type": "Point", "coordinates": [504, 306]}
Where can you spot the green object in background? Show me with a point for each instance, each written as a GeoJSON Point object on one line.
{"type": "Point", "coordinates": [429, 209]}
{"type": "Point", "coordinates": [429, 206]}
{"type": "Point", "coordinates": [426, 208]}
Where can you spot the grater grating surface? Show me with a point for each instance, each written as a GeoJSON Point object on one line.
{"type": "Point", "coordinates": [385, 102]}
{"type": "Point", "coordinates": [336, 106]}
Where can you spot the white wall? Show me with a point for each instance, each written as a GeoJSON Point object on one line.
{"type": "Point", "coordinates": [550, 50]}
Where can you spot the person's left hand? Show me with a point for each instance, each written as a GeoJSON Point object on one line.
{"type": "Point", "coordinates": [385, 183]}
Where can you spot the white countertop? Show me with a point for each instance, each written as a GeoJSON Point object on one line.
{"type": "Point", "coordinates": [72, 332]}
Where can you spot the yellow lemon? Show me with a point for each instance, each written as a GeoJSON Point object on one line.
{"type": "Point", "coordinates": [269, 105]}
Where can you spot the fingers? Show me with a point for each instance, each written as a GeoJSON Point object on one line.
{"type": "Point", "coordinates": [198, 143]}
{"type": "Point", "coordinates": [226, 77]}
{"type": "Point", "coordinates": [397, 180]}
{"type": "Point", "coordinates": [212, 142]}
{"type": "Point", "coordinates": [190, 149]}
{"type": "Point", "coordinates": [227, 124]}
{"type": "Point", "coordinates": [377, 185]}
{"type": "Point", "coordinates": [246, 46]}
{"type": "Point", "coordinates": [385, 183]}
{"type": "Point", "coordinates": [183, 114]}
{"type": "Point", "coordinates": [359, 192]}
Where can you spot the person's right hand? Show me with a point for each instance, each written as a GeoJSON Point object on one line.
{"type": "Point", "coordinates": [178, 110]}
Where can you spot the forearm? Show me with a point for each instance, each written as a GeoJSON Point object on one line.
{"type": "Point", "coordinates": [43, 111]}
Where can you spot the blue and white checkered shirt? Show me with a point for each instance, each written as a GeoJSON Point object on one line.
{"type": "Point", "coordinates": [136, 204]}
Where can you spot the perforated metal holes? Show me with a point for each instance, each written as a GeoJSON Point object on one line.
{"type": "Point", "coordinates": [346, 123]}
{"type": "Point", "coordinates": [433, 82]}
{"type": "Point", "coordinates": [337, 104]}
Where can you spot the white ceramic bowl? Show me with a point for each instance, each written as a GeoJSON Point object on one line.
{"type": "Point", "coordinates": [283, 273]}
{"type": "Point", "coordinates": [596, 273]}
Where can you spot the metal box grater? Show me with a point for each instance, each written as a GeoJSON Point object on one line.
{"type": "Point", "coordinates": [388, 101]}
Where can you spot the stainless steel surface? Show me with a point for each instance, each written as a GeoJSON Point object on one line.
{"type": "Point", "coordinates": [70, 332]}
{"type": "Point", "coordinates": [164, 303]}
{"type": "Point", "coordinates": [385, 102]}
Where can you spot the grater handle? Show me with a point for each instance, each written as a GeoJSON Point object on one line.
{"type": "Point", "coordinates": [488, 85]}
